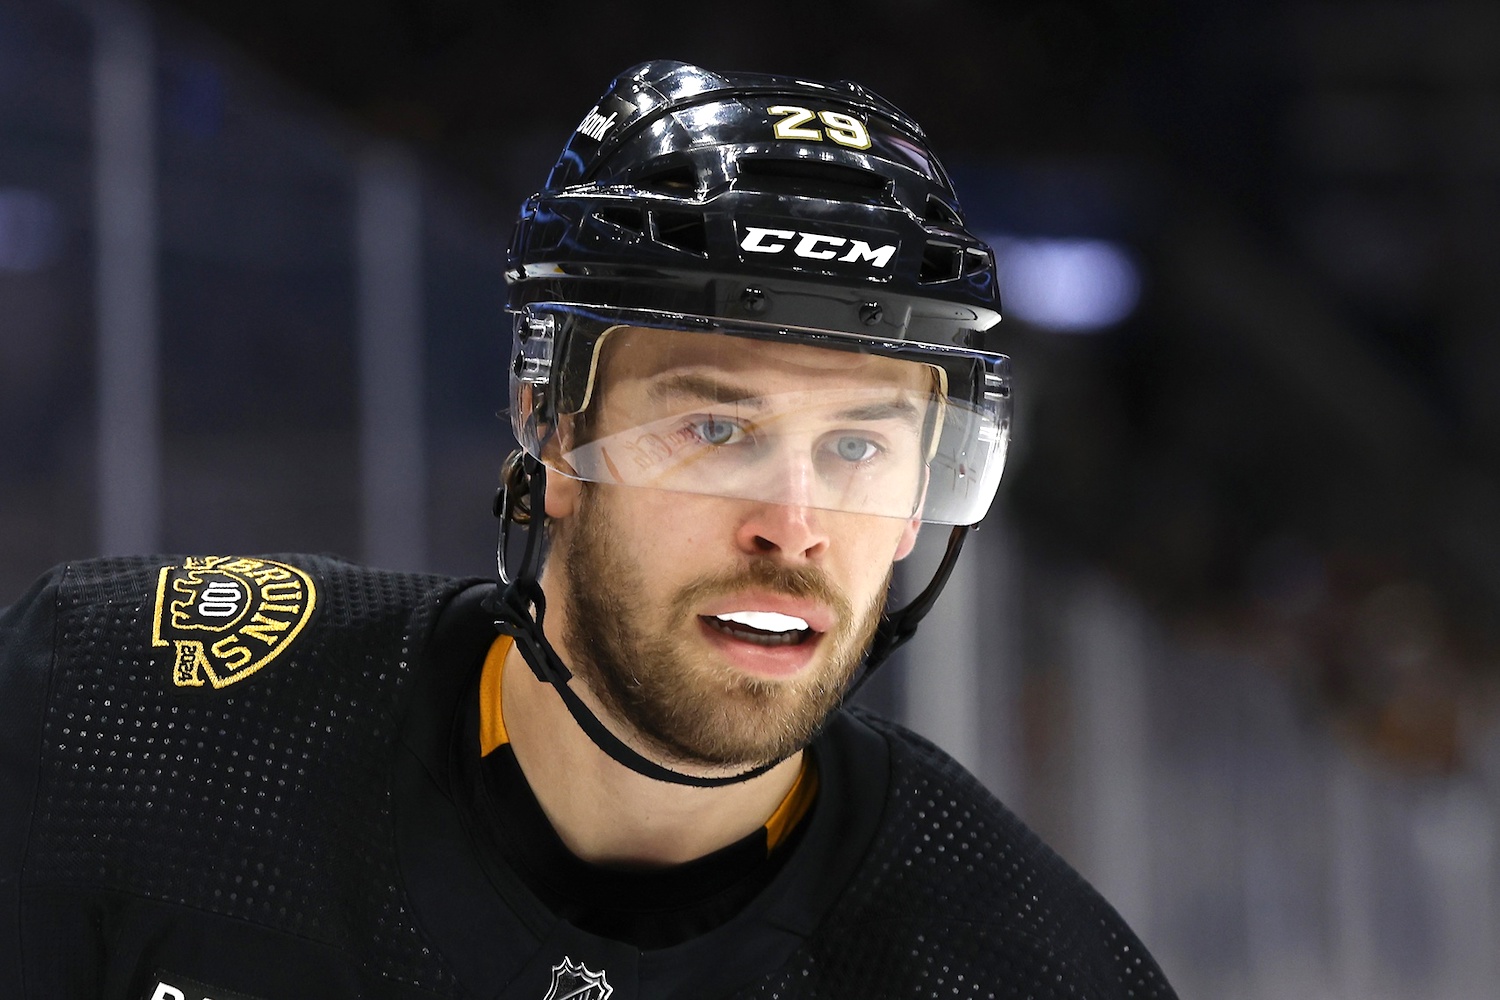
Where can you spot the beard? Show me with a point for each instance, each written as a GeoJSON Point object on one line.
{"type": "Point", "coordinates": [641, 662]}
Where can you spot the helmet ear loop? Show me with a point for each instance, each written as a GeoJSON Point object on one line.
{"type": "Point", "coordinates": [520, 607]}
{"type": "Point", "coordinates": [897, 627]}
{"type": "Point", "coordinates": [522, 492]}
{"type": "Point", "coordinates": [522, 501]}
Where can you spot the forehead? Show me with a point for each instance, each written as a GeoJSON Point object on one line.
{"type": "Point", "coordinates": [628, 354]}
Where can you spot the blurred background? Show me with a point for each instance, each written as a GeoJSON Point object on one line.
{"type": "Point", "coordinates": [1229, 640]}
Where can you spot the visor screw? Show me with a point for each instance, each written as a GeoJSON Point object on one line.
{"type": "Point", "coordinates": [753, 300]}
{"type": "Point", "coordinates": [870, 313]}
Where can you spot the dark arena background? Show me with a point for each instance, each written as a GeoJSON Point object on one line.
{"type": "Point", "coordinates": [1230, 639]}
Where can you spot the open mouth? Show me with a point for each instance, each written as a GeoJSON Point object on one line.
{"type": "Point", "coordinates": [763, 628]}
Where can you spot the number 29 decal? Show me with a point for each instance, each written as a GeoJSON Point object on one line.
{"type": "Point", "coordinates": [846, 130]}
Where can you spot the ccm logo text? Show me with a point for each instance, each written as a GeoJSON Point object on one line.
{"type": "Point", "coordinates": [816, 246]}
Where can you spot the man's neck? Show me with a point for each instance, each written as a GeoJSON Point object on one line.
{"type": "Point", "coordinates": [608, 814]}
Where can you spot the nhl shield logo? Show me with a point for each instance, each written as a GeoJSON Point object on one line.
{"type": "Point", "coordinates": [575, 981]}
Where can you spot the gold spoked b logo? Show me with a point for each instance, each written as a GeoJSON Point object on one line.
{"type": "Point", "coordinates": [227, 616]}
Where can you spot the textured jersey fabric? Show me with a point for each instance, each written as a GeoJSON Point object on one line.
{"type": "Point", "coordinates": [201, 798]}
{"type": "Point", "coordinates": [647, 907]}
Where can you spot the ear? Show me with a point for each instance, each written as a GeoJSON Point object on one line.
{"type": "Point", "coordinates": [562, 490]}
{"type": "Point", "coordinates": [562, 494]}
{"type": "Point", "coordinates": [904, 546]}
{"type": "Point", "coordinates": [913, 525]}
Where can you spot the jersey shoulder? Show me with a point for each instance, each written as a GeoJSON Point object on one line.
{"type": "Point", "coordinates": [956, 895]}
{"type": "Point", "coordinates": [214, 735]}
{"type": "Point", "coordinates": [217, 620]}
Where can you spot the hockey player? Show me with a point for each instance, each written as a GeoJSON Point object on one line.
{"type": "Point", "coordinates": [753, 355]}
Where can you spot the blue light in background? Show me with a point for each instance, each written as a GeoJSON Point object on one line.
{"type": "Point", "coordinates": [1066, 285]}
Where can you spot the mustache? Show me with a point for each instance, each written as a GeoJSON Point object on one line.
{"type": "Point", "coordinates": [803, 582]}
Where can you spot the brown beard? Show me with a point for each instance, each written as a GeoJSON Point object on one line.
{"type": "Point", "coordinates": [689, 711]}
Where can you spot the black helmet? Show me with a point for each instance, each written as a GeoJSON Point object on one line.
{"type": "Point", "coordinates": [681, 185]}
{"type": "Point", "coordinates": [766, 207]}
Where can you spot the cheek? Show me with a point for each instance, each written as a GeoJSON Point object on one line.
{"type": "Point", "coordinates": [873, 546]}
{"type": "Point", "coordinates": [668, 533]}
{"type": "Point", "coordinates": [684, 548]}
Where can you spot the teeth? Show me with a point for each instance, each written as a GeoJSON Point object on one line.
{"type": "Point", "coordinates": [765, 621]}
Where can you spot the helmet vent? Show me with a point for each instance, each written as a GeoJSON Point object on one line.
{"type": "Point", "coordinates": [940, 262]}
{"type": "Point", "coordinates": [941, 213]}
{"type": "Point", "coordinates": [623, 217]}
{"type": "Point", "coordinates": [677, 179]}
{"type": "Point", "coordinates": [682, 231]}
{"type": "Point", "coordinates": [811, 179]}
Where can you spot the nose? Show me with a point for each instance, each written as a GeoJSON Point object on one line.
{"type": "Point", "coordinates": [794, 532]}
{"type": "Point", "coordinates": [783, 520]}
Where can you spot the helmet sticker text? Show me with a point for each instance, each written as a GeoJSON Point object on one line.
{"type": "Point", "coordinates": [815, 246]}
{"type": "Point", "coordinates": [595, 125]}
{"type": "Point", "coordinates": [604, 116]}
{"type": "Point", "coordinates": [846, 130]}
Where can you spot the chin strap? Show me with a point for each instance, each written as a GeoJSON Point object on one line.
{"type": "Point", "coordinates": [519, 608]}
{"type": "Point", "coordinates": [897, 627]}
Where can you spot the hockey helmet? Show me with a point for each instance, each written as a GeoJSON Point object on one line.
{"type": "Point", "coordinates": [760, 287]}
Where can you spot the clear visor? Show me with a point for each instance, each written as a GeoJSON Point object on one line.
{"type": "Point", "coordinates": [761, 413]}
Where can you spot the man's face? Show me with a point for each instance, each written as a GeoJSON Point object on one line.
{"type": "Point", "coordinates": [722, 630]}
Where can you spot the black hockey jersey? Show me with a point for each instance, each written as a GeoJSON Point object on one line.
{"type": "Point", "coordinates": [226, 778]}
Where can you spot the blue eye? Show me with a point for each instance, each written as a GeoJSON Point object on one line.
{"type": "Point", "coordinates": [855, 449]}
{"type": "Point", "coordinates": [712, 430]}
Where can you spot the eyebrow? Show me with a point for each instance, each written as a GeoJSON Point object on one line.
{"type": "Point", "coordinates": [895, 409]}
{"type": "Point", "coordinates": [705, 387]}
{"type": "Point", "coordinates": [714, 390]}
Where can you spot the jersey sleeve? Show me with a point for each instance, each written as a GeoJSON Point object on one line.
{"type": "Point", "coordinates": [26, 653]}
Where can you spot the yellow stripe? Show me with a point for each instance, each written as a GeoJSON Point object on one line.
{"type": "Point", "coordinates": [799, 798]}
{"type": "Point", "coordinates": [491, 719]}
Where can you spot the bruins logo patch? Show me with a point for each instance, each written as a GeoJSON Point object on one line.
{"type": "Point", "coordinates": [228, 616]}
